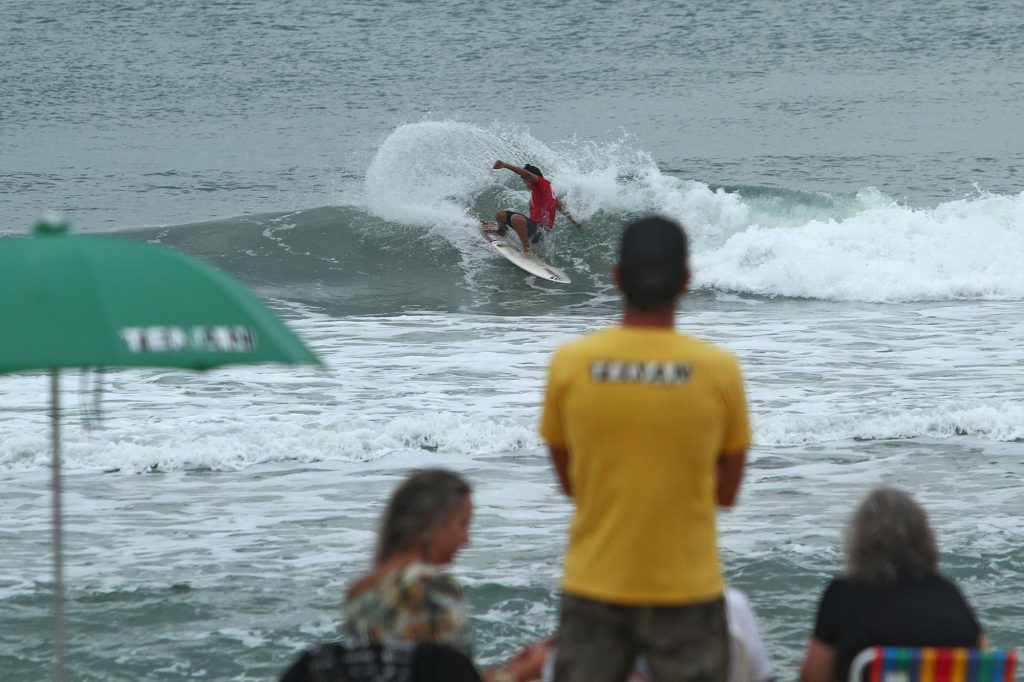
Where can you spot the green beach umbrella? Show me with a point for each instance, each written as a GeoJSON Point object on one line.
{"type": "Point", "coordinates": [95, 301]}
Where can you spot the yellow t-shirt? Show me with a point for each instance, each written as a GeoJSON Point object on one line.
{"type": "Point", "coordinates": [644, 414]}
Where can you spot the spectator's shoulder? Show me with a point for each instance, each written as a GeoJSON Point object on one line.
{"type": "Point", "coordinates": [713, 355]}
{"type": "Point", "coordinates": [585, 344]}
{"type": "Point", "coordinates": [840, 589]}
{"type": "Point", "coordinates": [433, 579]}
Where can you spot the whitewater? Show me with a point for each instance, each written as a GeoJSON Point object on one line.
{"type": "Point", "coordinates": [850, 182]}
{"type": "Point", "coordinates": [879, 342]}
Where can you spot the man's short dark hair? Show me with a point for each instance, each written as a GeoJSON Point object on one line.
{"type": "Point", "coordinates": [534, 170]}
{"type": "Point", "coordinates": [653, 262]}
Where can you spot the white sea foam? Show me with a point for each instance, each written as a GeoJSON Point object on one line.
{"type": "Point", "coordinates": [470, 385]}
{"type": "Point", "coordinates": [263, 485]}
{"type": "Point", "coordinates": [864, 248]}
{"type": "Point", "coordinates": [963, 249]}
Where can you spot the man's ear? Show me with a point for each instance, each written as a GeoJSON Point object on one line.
{"type": "Point", "coordinates": [616, 279]}
{"type": "Point", "coordinates": [684, 286]}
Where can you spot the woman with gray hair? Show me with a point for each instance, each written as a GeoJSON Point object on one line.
{"type": "Point", "coordinates": [892, 594]}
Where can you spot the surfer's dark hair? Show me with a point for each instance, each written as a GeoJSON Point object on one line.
{"type": "Point", "coordinates": [889, 539]}
{"type": "Point", "coordinates": [417, 509]}
{"type": "Point", "coordinates": [534, 170]}
{"type": "Point", "coordinates": [653, 262]}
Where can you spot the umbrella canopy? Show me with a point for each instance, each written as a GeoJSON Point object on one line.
{"type": "Point", "coordinates": [94, 301]}
{"type": "Point", "coordinates": [90, 301]}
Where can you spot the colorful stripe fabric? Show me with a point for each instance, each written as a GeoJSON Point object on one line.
{"type": "Point", "coordinates": [930, 664]}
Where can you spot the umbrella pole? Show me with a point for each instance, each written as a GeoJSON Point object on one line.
{"type": "Point", "coordinates": [58, 532]}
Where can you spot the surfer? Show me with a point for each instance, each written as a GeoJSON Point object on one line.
{"type": "Point", "coordinates": [543, 206]}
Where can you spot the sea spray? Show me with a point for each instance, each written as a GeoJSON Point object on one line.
{"type": "Point", "coordinates": [959, 250]}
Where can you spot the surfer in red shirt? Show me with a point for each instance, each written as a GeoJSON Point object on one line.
{"type": "Point", "coordinates": [543, 206]}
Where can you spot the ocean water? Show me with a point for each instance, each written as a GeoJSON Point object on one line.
{"type": "Point", "coordinates": [850, 176]}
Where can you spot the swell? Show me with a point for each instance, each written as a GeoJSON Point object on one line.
{"type": "Point", "coordinates": [345, 260]}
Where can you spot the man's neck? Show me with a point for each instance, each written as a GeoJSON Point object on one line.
{"type": "Point", "coordinates": [664, 318]}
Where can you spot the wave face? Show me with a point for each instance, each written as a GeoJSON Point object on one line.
{"type": "Point", "coordinates": [411, 241]}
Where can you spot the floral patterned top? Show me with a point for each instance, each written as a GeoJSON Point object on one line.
{"type": "Point", "coordinates": [418, 602]}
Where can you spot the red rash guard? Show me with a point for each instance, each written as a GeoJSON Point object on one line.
{"type": "Point", "coordinates": [542, 204]}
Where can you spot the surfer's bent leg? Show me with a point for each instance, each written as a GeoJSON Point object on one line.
{"type": "Point", "coordinates": [502, 220]}
{"type": "Point", "coordinates": [518, 222]}
{"type": "Point", "coordinates": [535, 231]}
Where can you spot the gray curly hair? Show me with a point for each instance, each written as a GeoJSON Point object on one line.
{"type": "Point", "coordinates": [889, 538]}
{"type": "Point", "coordinates": [417, 509]}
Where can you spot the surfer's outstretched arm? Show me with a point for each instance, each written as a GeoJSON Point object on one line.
{"type": "Point", "coordinates": [518, 170]}
{"type": "Point", "coordinates": [564, 211]}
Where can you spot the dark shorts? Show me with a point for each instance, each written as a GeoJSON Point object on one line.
{"type": "Point", "coordinates": [534, 231]}
{"type": "Point", "coordinates": [599, 642]}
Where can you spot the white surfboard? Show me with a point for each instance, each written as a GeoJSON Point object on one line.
{"type": "Point", "coordinates": [532, 264]}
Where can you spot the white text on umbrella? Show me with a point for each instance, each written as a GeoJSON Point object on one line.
{"type": "Point", "coordinates": [161, 339]}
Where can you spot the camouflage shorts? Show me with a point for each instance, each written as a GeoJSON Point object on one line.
{"type": "Point", "coordinates": [599, 642]}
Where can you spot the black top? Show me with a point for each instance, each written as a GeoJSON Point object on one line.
{"type": "Point", "coordinates": [853, 616]}
{"type": "Point", "coordinates": [394, 662]}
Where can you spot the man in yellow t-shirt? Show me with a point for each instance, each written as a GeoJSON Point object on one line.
{"type": "Point", "coordinates": [648, 432]}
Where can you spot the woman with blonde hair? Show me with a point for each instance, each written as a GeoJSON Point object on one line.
{"type": "Point", "coordinates": [408, 595]}
{"type": "Point", "coordinates": [892, 595]}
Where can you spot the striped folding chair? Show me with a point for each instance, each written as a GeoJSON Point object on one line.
{"type": "Point", "coordinates": [931, 664]}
